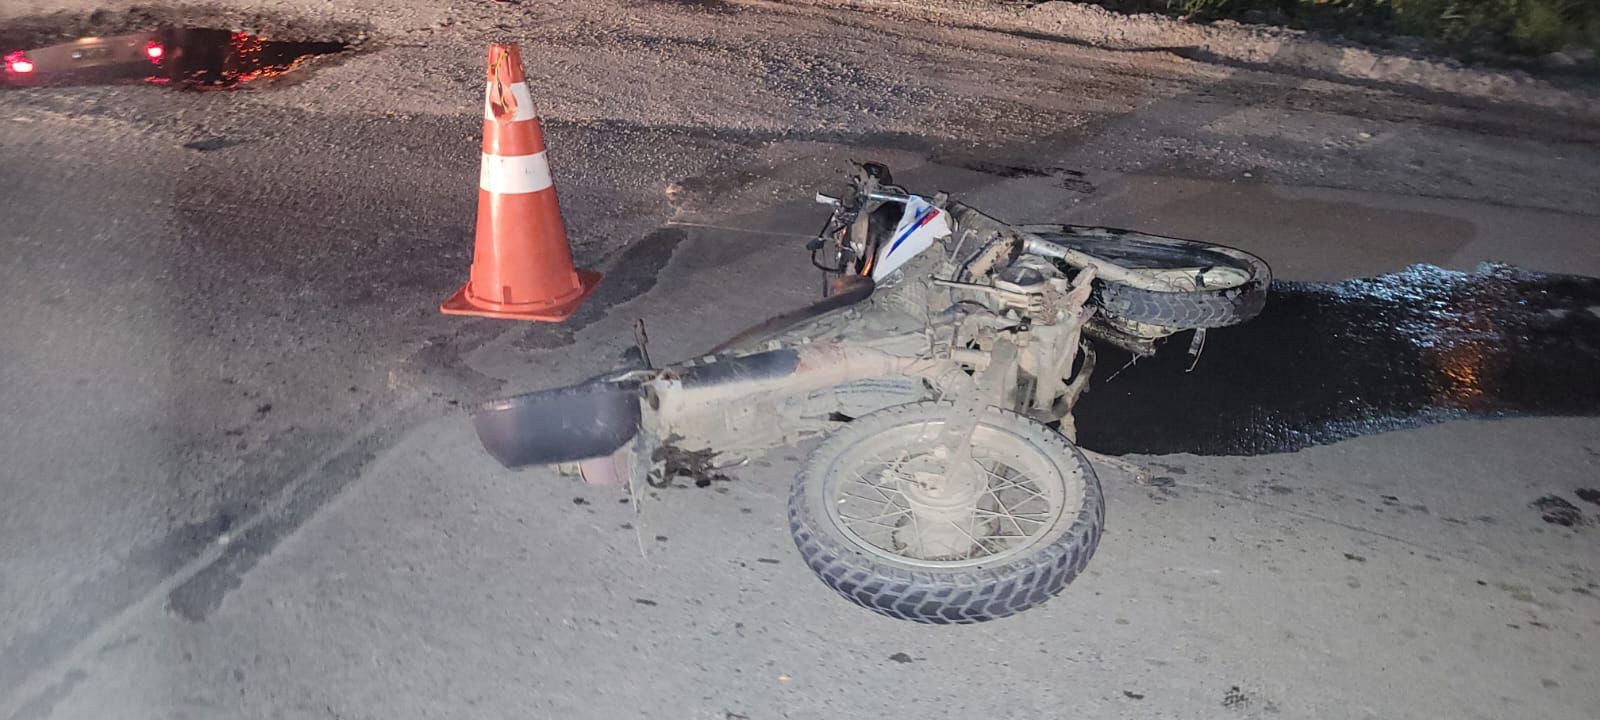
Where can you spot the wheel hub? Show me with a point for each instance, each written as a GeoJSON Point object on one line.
{"type": "Point", "coordinates": [942, 500]}
{"type": "Point", "coordinates": [930, 484]}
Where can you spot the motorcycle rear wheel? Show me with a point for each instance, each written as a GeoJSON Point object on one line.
{"type": "Point", "coordinates": [1213, 285]}
{"type": "Point", "coordinates": [1035, 522]}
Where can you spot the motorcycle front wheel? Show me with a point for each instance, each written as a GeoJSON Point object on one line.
{"type": "Point", "coordinates": [873, 519]}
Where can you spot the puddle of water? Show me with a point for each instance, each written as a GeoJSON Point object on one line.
{"type": "Point", "coordinates": [187, 58]}
{"type": "Point", "coordinates": [1329, 361]}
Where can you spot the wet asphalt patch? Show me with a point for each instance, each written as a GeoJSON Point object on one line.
{"type": "Point", "coordinates": [178, 57]}
{"type": "Point", "coordinates": [631, 275]}
{"type": "Point", "coordinates": [181, 47]}
{"type": "Point", "coordinates": [1330, 361]}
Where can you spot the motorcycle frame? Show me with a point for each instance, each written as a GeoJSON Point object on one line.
{"type": "Point", "coordinates": [802, 374]}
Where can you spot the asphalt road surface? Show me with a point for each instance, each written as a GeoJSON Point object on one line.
{"type": "Point", "coordinates": [238, 479]}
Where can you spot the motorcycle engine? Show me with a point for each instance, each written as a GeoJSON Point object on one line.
{"type": "Point", "coordinates": [1033, 286]}
{"type": "Point", "coordinates": [1028, 274]}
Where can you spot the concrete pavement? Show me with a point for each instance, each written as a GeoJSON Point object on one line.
{"type": "Point", "coordinates": [1401, 575]}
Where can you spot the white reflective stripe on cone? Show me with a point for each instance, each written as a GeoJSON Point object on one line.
{"type": "Point", "coordinates": [519, 91]}
{"type": "Point", "coordinates": [515, 174]}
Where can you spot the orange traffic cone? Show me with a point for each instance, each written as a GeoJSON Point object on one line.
{"type": "Point", "coordinates": [521, 264]}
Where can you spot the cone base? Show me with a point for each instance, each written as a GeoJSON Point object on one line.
{"type": "Point", "coordinates": [461, 304]}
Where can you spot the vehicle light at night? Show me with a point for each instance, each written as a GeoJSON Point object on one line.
{"type": "Point", "coordinates": [154, 51]}
{"type": "Point", "coordinates": [19, 63]}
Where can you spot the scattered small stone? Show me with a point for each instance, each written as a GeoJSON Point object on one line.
{"type": "Point", "coordinates": [1355, 557]}
{"type": "Point", "coordinates": [263, 408]}
{"type": "Point", "coordinates": [1559, 61]}
{"type": "Point", "coordinates": [769, 561]}
{"type": "Point", "coordinates": [209, 144]}
{"type": "Point", "coordinates": [1549, 684]}
{"type": "Point", "coordinates": [661, 538]}
{"type": "Point", "coordinates": [901, 658]}
{"type": "Point", "coordinates": [645, 601]}
{"type": "Point", "coordinates": [1131, 695]}
{"type": "Point", "coordinates": [579, 501]}
{"type": "Point", "coordinates": [1161, 482]}
{"type": "Point", "coordinates": [627, 526]}
{"type": "Point", "coordinates": [1280, 489]}
{"type": "Point", "coordinates": [1589, 495]}
{"type": "Point", "coordinates": [1235, 697]}
{"type": "Point", "coordinates": [784, 678]}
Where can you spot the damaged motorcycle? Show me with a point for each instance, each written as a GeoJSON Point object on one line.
{"type": "Point", "coordinates": [941, 366]}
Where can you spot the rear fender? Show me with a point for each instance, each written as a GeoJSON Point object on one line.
{"type": "Point", "coordinates": [567, 424]}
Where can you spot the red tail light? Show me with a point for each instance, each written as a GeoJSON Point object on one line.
{"type": "Point", "coordinates": [154, 50]}
{"type": "Point", "coordinates": [19, 63]}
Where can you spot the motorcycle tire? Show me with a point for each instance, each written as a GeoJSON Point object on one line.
{"type": "Point", "coordinates": [1053, 548]}
{"type": "Point", "coordinates": [1222, 304]}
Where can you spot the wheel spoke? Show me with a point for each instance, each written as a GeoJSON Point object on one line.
{"type": "Point", "coordinates": [1013, 517]}
{"type": "Point", "coordinates": [1011, 481]}
{"type": "Point", "coordinates": [1023, 488]}
{"type": "Point", "coordinates": [1018, 495]}
{"type": "Point", "coordinates": [916, 528]}
{"type": "Point", "coordinates": [878, 518]}
{"type": "Point", "coordinates": [1007, 514]}
{"type": "Point", "coordinates": [869, 521]}
{"type": "Point", "coordinates": [963, 531]}
{"type": "Point", "coordinates": [864, 498]}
